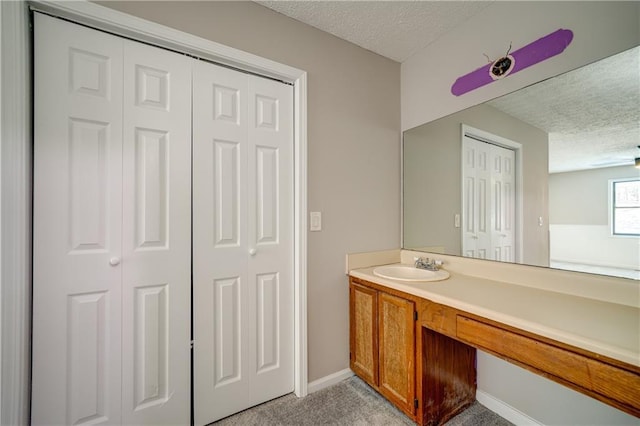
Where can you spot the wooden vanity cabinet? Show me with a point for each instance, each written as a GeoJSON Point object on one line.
{"type": "Point", "coordinates": [421, 355]}
{"type": "Point", "coordinates": [382, 343]}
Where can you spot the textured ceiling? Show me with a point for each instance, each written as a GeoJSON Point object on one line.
{"type": "Point", "coordinates": [592, 114]}
{"type": "Point", "coordinates": [394, 29]}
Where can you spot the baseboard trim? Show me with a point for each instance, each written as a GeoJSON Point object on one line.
{"type": "Point", "coordinates": [504, 410]}
{"type": "Point", "coordinates": [492, 403]}
{"type": "Point", "coordinates": [329, 380]}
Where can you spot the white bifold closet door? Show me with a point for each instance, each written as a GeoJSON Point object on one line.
{"type": "Point", "coordinates": [112, 229]}
{"type": "Point", "coordinates": [242, 241]}
{"type": "Point", "coordinates": [488, 218]}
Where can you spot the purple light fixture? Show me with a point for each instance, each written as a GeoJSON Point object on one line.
{"type": "Point", "coordinates": [538, 51]}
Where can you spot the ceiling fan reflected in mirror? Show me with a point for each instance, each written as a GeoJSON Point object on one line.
{"type": "Point", "coordinates": [618, 161]}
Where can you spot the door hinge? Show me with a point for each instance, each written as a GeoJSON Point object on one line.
{"type": "Point", "coordinates": [192, 343]}
{"type": "Point", "coordinates": [415, 315]}
{"type": "Point", "coordinates": [415, 403]}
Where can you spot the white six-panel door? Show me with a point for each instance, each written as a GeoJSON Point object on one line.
{"type": "Point", "coordinates": [112, 233]}
{"type": "Point", "coordinates": [488, 204]}
{"type": "Point", "coordinates": [156, 243]}
{"type": "Point", "coordinates": [476, 199]}
{"type": "Point", "coordinates": [111, 291]}
{"type": "Point", "coordinates": [242, 241]}
{"type": "Point", "coordinates": [504, 204]}
{"type": "Point", "coordinates": [77, 312]}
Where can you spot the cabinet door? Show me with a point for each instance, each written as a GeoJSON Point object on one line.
{"type": "Point", "coordinates": [363, 332]}
{"type": "Point", "coordinates": [397, 351]}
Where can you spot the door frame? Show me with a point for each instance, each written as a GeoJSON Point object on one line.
{"type": "Point", "coordinates": [16, 170]}
{"type": "Point", "coordinates": [492, 139]}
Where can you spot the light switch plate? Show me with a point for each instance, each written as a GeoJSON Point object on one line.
{"type": "Point", "coordinates": [315, 222]}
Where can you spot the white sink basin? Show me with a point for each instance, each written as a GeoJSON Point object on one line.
{"type": "Point", "coordinates": [409, 273]}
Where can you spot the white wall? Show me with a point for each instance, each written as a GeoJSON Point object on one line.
{"type": "Point", "coordinates": [580, 225]}
{"type": "Point", "coordinates": [600, 30]}
{"type": "Point", "coordinates": [593, 245]}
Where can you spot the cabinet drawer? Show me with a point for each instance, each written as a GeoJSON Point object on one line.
{"type": "Point", "coordinates": [598, 378]}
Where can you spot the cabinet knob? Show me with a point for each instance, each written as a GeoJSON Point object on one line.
{"type": "Point", "coordinates": [114, 261]}
{"type": "Point", "coordinates": [252, 252]}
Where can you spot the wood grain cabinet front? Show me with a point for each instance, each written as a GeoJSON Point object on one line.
{"type": "Point", "coordinates": [608, 380]}
{"type": "Point", "coordinates": [421, 355]}
{"type": "Point", "coordinates": [396, 351]}
{"type": "Point", "coordinates": [363, 332]}
{"type": "Point", "coordinates": [382, 342]}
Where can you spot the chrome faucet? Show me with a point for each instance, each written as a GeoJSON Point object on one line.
{"type": "Point", "coordinates": [428, 264]}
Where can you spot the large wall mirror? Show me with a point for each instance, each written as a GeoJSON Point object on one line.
{"type": "Point", "coordinates": [543, 176]}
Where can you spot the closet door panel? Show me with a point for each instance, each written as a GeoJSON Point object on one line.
{"type": "Point", "coordinates": [503, 214]}
{"type": "Point", "coordinates": [220, 250]}
{"type": "Point", "coordinates": [477, 199]}
{"type": "Point", "coordinates": [76, 225]}
{"type": "Point", "coordinates": [157, 236]}
{"type": "Point", "coordinates": [270, 229]}
{"type": "Point", "coordinates": [243, 241]}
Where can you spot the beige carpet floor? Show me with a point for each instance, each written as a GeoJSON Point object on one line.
{"type": "Point", "coordinates": [350, 402]}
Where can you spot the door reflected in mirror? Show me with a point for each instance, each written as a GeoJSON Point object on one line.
{"type": "Point", "coordinates": [528, 177]}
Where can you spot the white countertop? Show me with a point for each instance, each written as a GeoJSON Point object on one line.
{"type": "Point", "coordinates": [606, 328]}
